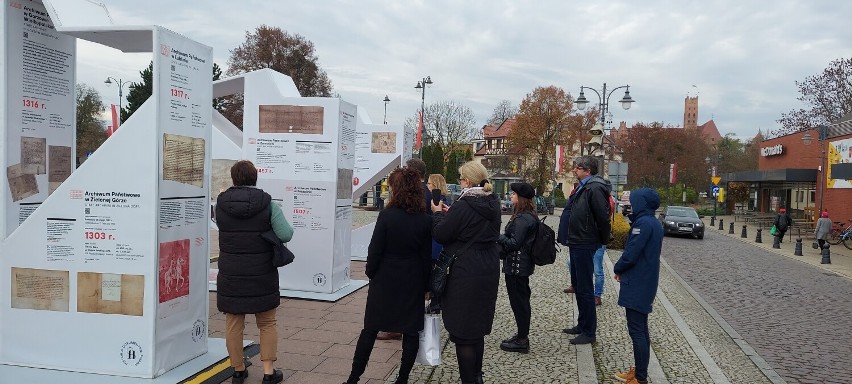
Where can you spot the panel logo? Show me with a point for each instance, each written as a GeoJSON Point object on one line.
{"type": "Point", "coordinates": [131, 353]}
{"type": "Point", "coordinates": [199, 329]}
{"type": "Point", "coordinates": [319, 280]}
{"type": "Point", "coordinates": [165, 50]}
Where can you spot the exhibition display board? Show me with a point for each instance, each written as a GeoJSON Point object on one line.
{"type": "Point", "coordinates": [109, 274]}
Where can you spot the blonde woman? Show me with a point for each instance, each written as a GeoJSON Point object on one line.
{"type": "Point", "coordinates": [470, 296]}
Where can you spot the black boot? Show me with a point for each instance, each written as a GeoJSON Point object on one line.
{"type": "Point", "coordinates": [519, 344]}
{"type": "Point", "coordinates": [511, 339]}
{"type": "Point", "coordinates": [479, 379]}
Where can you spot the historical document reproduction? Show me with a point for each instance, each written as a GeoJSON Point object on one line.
{"type": "Point", "coordinates": [40, 289]}
{"type": "Point", "coordinates": [383, 142]}
{"type": "Point", "coordinates": [291, 119]}
{"type": "Point", "coordinates": [20, 185]}
{"type": "Point", "coordinates": [59, 166]}
{"type": "Point", "coordinates": [183, 159]}
{"type": "Point", "coordinates": [33, 155]}
{"type": "Point", "coordinates": [110, 293]}
{"type": "Point", "coordinates": [344, 183]}
{"type": "Point", "coordinates": [174, 270]}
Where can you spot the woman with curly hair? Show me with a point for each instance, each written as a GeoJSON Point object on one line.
{"type": "Point", "coordinates": [398, 265]}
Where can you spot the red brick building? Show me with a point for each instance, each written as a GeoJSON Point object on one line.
{"type": "Point", "coordinates": [794, 173]}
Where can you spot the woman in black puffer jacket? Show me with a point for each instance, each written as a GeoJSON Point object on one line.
{"type": "Point", "coordinates": [518, 265]}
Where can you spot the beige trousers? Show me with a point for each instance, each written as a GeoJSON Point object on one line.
{"type": "Point", "coordinates": [234, 327]}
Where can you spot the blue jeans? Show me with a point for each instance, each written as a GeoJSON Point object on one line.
{"type": "Point", "coordinates": [637, 327]}
{"type": "Point", "coordinates": [582, 268]}
{"type": "Point", "coordinates": [599, 273]}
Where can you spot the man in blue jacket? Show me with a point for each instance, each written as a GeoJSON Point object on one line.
{"type": "Point", "coordinates": [638, 272]}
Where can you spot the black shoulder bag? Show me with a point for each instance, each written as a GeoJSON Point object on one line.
{"type": "Point", "coordinates": [441, 268]}
{"type": "Point", "coordinates": [281, 255]}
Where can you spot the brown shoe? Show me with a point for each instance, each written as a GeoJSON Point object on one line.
{"type": "Point", "coordinates": [389, 336]}
{"type": "Point", "coordinates": [598, 300]}
{"type": "Point", "coordinates": [625, 376]}
{"type": "Point", "coordinates": [570, 289]}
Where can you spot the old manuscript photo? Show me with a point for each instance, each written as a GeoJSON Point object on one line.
{"type": "Point", "coordinates": [183, 159]}
{"type": "Point", "coordinates": [344, 183]}
{"type": "Point", "coordinates": [21, 185]}
{"type": "Point", "coordinates": [110, 293]}
{"type": "Point", "coordinates": [174, 270]}
{"type": "Point", "coordinates": [59, 166]}
{"type": "Point", "coordinates": [383, 142]}
{"type": "Point", "coordinates": [33, 155]}
{"type": "Point", "coordinates": [221, 177]}
{"type": "Point", "coordinates": [40, 289]}
{"type": "Point", "coordinates": [291, 119]}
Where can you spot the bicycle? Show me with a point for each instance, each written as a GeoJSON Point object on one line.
{"type": "Point", "coordinates": [840, 234]}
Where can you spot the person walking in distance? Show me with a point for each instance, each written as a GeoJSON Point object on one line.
{"type": "Point", "coordinates": [782, 223]}
{"type": "Point", "coordinates": [247, 280]}
{"type": "Point", "coordinates": [822, 230]}
{"type": "Point", "coordinates": [588, 229]}
{"type": "Point", "coordinates": [469, 300]}
{"type": "Point", "coordinates": [638, 273]}
{"type": "Point", "coordinates": [398, 265]}
{"type": "Point", "coordinates": [518, 266]}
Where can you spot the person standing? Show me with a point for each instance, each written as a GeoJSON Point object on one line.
{"type": "Point", "coordinates": [398, 265]}
{"type": "Point", "coordinates": [822, 230]}
{"type": "Point", "coordinates": [638, 273]}
{"type": "Point", "coordinates": [437, 181]}
{"type": "Point", "coordinates": [247, 281]}
{"type": "Point", "coordinates": [518, 266]}
{"type": "Point", "coordinates": [470, 297]}
{"type": "Point", "coordinates": [782, 223]}
{"type": "Point", "coordinates": [587, 230]}
{"type": "Point", "coordinates": [599, 256]}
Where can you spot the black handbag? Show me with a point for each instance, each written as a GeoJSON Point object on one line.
{"type": "Point", "coordinates": [281, 255]}
{"type": "Point", "coordinates": [441, 268]}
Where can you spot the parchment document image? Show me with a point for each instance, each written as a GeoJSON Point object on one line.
{"type": "Point", "coordinates": [174, 270]}
{"type": "Point", "coordinates": [183, 159]}
{"type": "Point", "coordinates": [21, 185]}
{"type": "Point", "coordinates": [110, 293]}
{"type": "Point", "coordinates": [59, 166]}
{"type": "Point", "coordinates": [383, 142]}
{"type": "Point", "coordinates": [33, 155]}
{"type": "Point", "coordinates": [40, 289]}
{"type": "Point", "coordinates": [291, 119]}
{"type": "Point", "coordinates": [344, 183]}
{"type": "Point", "coordinates": [221, 176]}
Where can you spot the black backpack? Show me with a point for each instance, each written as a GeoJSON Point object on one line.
{"type": "Point", "coordinates": [544, 245]}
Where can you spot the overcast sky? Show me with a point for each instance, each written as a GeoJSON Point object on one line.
{"type": "Point", "coordinates": [743, 57]}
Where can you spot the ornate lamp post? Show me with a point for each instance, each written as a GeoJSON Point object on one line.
{"type": "Point", "coordinates": [386, 100]}
{"type": "Point", "coordinates": [121, 84]}
{"type": "Point", "coordinates": [421, 85]}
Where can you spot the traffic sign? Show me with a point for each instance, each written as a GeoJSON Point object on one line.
{"type": "Point", "coordinates": [715, 190]}
{"type": "Point", "coordinates": [715, 180]}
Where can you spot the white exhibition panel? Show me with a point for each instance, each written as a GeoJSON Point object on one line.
{"type": "Point", "coordinates": [109, 274]}
{"type": "Point", "coordinates": [378, 151]}
{"type": "Point", "coordinates": [38, 110]}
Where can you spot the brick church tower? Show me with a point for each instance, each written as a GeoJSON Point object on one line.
{"type": "Point", "coordinates": [690, 112]}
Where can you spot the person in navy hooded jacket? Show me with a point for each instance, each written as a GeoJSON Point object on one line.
{"type": "Point", "coordinates": [638, 272]}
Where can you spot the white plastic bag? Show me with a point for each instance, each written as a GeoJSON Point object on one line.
{"type": "Point", "coordinates": [429, 352]}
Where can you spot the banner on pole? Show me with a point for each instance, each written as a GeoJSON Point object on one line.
{"type": "Point", "coordinates": [673, 173]}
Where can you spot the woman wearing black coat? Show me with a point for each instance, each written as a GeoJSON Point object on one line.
{"type": "Point", "coordinates": [518, 265]}
{"type": "Point", "coordinates": [470, 296]}
{"type": "Point", "coordinates": [398, 264]}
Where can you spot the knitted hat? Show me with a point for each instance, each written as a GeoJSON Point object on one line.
{"type": "Point", "coordinates": [523, 190]}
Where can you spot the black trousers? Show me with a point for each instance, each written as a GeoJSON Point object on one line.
{"type": "Point", "coordinates": [410, 344]}
{"type": "Point", "coordinates": [518, 288]}
{"type": "Point", "coordinates": [637, 327]}
{"type": "Point", "coordinates": [582, 270]}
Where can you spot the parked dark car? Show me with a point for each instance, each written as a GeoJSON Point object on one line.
{"type": "Point", "coordinates": [682, 221]}
{"type": "Point", "coordinates": [453, 193]}
{"type": "Point", "coordinates": [544, 205]}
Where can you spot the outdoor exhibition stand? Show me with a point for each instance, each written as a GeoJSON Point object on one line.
{"type": "Point", "coordinates": [104, 268]}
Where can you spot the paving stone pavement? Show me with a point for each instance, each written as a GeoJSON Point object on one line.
{"type": "Point", "coordinates": [689, 345]}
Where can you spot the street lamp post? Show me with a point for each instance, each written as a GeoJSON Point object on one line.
{"type": "Point", "coordinates": [603, 103]}
{"type": "Point", "coordinates": [386, 100]}
{"type": "Point", "coordinates": [109, 80]}
{"type": "Point", "coordinates": [421, 85]}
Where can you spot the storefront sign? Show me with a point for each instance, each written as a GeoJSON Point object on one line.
{"type": "Point", "coordinates": [772, 151]}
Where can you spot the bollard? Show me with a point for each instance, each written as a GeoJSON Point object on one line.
{"type": "Point", "coordinates": [721, 225]}
{"type": "Point", "coordinates": [776, 242]}
{"type": "Point", "coordinates": [826, 254]}
{"type": "Point", "coordinates": [744, 235]}
{"type": "Point", "coordinates": [757, 238]}
{"type": "Point", "coordinates": [731, 229]}
{"type": "Point", "coordinates": [713, 221]}
{"type": "Point", "coordinates": [798, 251]}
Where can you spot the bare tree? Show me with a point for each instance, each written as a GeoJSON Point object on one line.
{"type": "Point", "coordinates": [828, 96]}
{"type": "Point", "coordinates": [504, 110]}
{"type": "Point", "coordinates": [91, 132]}
{"type": "Point", "coordinates": [448, 124]}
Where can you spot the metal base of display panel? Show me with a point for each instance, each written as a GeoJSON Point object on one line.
{"type": "Point", "coordinates": [353, 286]}
{"type": "Point", "coordinates": [211, 367]}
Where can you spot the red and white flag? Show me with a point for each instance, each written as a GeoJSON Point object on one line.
{"type": "Point", "coordinates": [419, 130]}
{"type": "Point", "coordinates": [112, 128]}
{"type": "Point", "coordinates": [673, 173]}
{"type": "Point", "coordinates": [560, 157]}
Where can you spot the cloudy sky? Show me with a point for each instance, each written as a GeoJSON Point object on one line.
{"type": "Point", "coordinates": [742, 57]}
